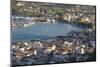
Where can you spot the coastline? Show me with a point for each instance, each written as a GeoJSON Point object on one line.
{"type": "Point", "coordinates": [55, 48]}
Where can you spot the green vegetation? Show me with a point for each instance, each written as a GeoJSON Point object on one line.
{"type": "Point", "coordinates": [63, 12]}
{"type": "Point", "coordinates": [46, 9]}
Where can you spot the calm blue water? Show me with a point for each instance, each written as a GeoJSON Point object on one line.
{"type": "Point", "coordinates": [42, 31]}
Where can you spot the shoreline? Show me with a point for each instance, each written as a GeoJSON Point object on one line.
{"type": "Point", "coordinates": [58, 37]}
{"type": "Point", "coordinates": [70, 49]}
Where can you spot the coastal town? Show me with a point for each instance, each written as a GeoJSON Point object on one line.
{"type": "Point", "coordinates": [46, 13]}
{"type": "Point", "coordinates": [76, 46]}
